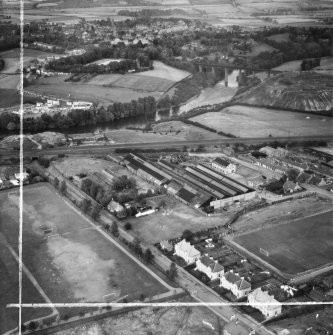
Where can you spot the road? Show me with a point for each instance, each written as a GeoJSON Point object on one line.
{"type": "Point", "coordinates": [106, 148]}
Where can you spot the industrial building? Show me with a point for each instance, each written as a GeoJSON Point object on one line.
{"type": "Point", "coordinates": [139, 166]}
{"type": "Point", "coordinates": [218, 189]}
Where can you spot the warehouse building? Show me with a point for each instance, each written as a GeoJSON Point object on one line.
{"type": "Point", "coordinates": [139, 166]}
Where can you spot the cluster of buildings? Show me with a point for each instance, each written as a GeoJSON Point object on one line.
{"type": "Point", "coordinates": [259, 298]}
{"type": "Point", "coordinates": [11, 177]}
{"type": "Point", "coordinates": [197, 186]}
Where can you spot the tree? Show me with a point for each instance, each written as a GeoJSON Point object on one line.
{"type": "Point", "coordinates": [114, 229]}
{"type": "Point", "coordinates": [172, 272]}
{"type": "Point", "coordinates": [63, 187]}
{"type": "Point", "coordinates": [33, 325]}
{"type": "Point", "coordinates": [292, 174]}
{"type": "Point", "coordinates": [128, 226]}
{"type": "Point", "coordinates": [56, 182]}
{"type": "Point", "coordinates": [148, 256]}
{"type": "Point", "coordinates": [85, 205]}
{"type": "Point", "coordinates": [187, 235]}
{"type": "Point", "coordinates": [96, 212]}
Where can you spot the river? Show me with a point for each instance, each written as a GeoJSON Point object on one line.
{"type": "Point", "coordinates": [208, 96]}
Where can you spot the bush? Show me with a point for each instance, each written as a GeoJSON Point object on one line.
{"type": "Point", "coordinates": [128, 226]}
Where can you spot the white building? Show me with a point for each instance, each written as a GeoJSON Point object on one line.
{"type": "Point", "coordinates": [187, 251]}
{"type": "Point", "coordinates": [223, 165]}
{"type": "Point", "coordinates": [211, 268]}
{"type": "Point", "coordinates": [266, 303]}
{"type": "Point", "coordinates": [21, 176]}
{"type": "Point", "coordinates": [237, 285]}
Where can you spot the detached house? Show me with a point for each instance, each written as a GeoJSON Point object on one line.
{"type": "Point", "coordinates": [223, 165]}
{"type": "Point", "coordinates": [291, 187]}
{"type": "Point", "coordinates": [267, 304]}
{"type": "Point", "coordinates": [237, 285]}
{"type": "Point", "coordinates": [211, 268]}
{"type": "Point", "coordinates": [187, 251]}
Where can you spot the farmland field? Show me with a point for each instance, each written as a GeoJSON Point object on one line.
{"type": "Point", "coordinates": [80, 263]}
{"type": "Point", "coordinates": [108, 88]}
{"type": "Point", "coordinates": [246, 121]}
{"type": "Point", "coordinates": [300, 246]}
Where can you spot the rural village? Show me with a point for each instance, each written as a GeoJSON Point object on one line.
{"type": "Point", "coordinates": [166, 167]}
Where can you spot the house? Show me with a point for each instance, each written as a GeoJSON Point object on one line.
{"type": "Point", "coordinates": [187, 251]}
{"type": "Point", "coordinates": [210, 267]}
{"type": "Point", "coordinates": [280, 152]}
{"type": "Point", "coordinates": [223, 165]}
{"type": "Point", "coordinates": [146, 211]}
{"type": "Point", "coordinates": [166, 245]}
{"type": "Point", "coordinates": [269, 151]}
{"type": "Point", "coordinates": [291, 187]}
{"type": "Point", "coordinates": [265, 302]}
{"type": "Point", "coordinates": [236, 327]}
{"type": "Point", "coordinates": [21, 176]}
{"type": "Point", "coordinates": [256, 182]}
{"type": "Point", "coordinates": [237, 285]}
{"type": "Point", "coordinates": [115, 207]}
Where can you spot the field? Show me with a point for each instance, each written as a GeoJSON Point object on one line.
{"type": "Point", "coordinates": [93, 93]}
{"type": "Point", "coordinates": [280, 213]}
{"type": "Point", "coordinates": [157, 321]}
{"type": "Point", "coordinates": [164, 71]}
{"type": "Point", "coordinates": [9, 95]}
{"type": "Point", "coordinates": [81, 263]}
{"type": "Point", "coordinates": [257, 48]}
{"type": "Point", "coordinates": [171, 221]}
{"type": "Point", "coordinates": [9, 292]}
{"type": "Point", "coordinates": [186, 131]}
{"type": "Point", "coordinates": [302, 245]}
{"type": "Point", "coordinates": [246, 121]}
{"type": "Point", "coordinates": [108, 88]}
{"type": "Point", "coordinates": [280, 37]}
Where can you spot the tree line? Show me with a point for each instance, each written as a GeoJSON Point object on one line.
{"type": "Point", "coordinates": [79, 118]}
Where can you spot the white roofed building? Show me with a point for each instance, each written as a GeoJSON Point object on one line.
{"type": "Point", "coordinates": [187, 251]}
{"type": "Point", "coordinates": [210, 267]}
{"type": "Point", "coordinates": [266, 303]}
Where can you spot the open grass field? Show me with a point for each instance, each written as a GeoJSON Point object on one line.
{"type": "Point", "coordinates": [157, 321]}
{"type": "Point", "coordinates": [164, 71]}
{"type": "Point", "coordinates": [244, 121]}
{"type": "Point", "coordinates": [295, 247]}
{"type": "Point", "coordinates": [79, 264]}
{"type": "Point", "coordinates": [93, 93]}
{"type": "Point", "coordinates": [171, 221]}
{"type": "Point", "coordinates": [9, 289]}
{"type": "Point", "coordinates": [108, 88]}
{"type": "Point", "coordinates": [280, 213]}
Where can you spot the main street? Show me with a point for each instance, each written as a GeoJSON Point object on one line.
{"type": "Point", "coordinates": [106, 148]}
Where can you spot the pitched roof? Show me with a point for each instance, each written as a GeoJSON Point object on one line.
{"type": "Point", "coordinates": [208, 262]}
{"type": "Point", "coordinates": [243, 284]}
{"type": "Point", "coordinates": [262, 297]}
{"type": "Point", "coordinates": [221, 161]}
{"type": "Point", "coordinates": [188, 248]}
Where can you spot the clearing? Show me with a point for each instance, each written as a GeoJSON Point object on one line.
{"type": "Point", "coordinates": [244, 121]}
{"type": "Point", "coordinates": [164, 71]}
{"type": "Point", "coordinates": [301, 245]}
{"type": "Point", "coordinates": [79, 263]}
{"type": "Point", "coordinates": [171, 221]}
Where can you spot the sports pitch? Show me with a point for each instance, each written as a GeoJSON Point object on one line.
{"type": "Point", "coordinates": [294, 247]}
{"type": "Point", "coordinates": [77, 264]}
